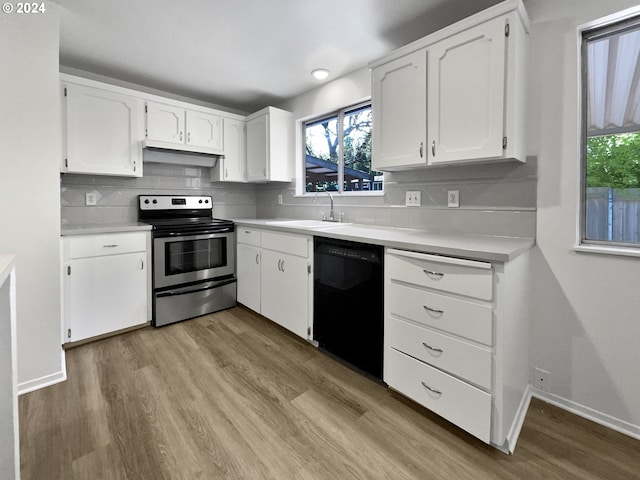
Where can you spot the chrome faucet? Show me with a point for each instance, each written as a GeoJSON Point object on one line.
{"type": "Point", "coordinates": [332, 216]}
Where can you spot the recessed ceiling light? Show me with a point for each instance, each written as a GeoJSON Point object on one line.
{"type": "Point", "coordinates": [320, 73]}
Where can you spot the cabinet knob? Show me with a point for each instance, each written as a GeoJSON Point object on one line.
{"type": "Point", "coordinates": [421, 148]}
{"type": "Point", "coordinates": [433, 148]}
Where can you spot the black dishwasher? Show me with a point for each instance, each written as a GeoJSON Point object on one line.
{"type": "Point", "coordinates": [348, 313]}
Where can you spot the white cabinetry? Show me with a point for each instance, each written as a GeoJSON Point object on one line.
{"type": "Point", "coordinates": [102, 132]}
{"type": "Point", "coordinates": [467, 95]}
{"type": "Point", "coordinates": [400, 112]}
{"type": "Point", "coordinates": [233, 167]}
{"type": "Point", "coordinates": [105, 283]}
{"type": "Point", "coordinates": [248, 261]}
{"type": "Point", "coordinates": [9, 413]}
{"type": "Point", "coordinates": [474, 83]}
{"type": "Point", "coordinates": [269, 137]}
{"type": "Point", "coordinates": [274, 277]}
{"type": "Point", "coordinates": [177, 128]}
{"type": "Point", "coordinates": [456, 340]}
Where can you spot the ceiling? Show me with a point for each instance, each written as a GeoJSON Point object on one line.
{"type": "Point", "coordinates": [242, 54]}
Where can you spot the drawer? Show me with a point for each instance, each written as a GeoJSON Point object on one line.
{"type": "Point", "coordinates": [281, 242]}
{"type": "Point", "coordinates": [462, 404]}
{"type": "Point", "coordinates": [248, 236]}
{"type": "Point", "coordinates": [457, 357]}
{"type": "Point", "coordinates": [83, 246]}
{"type": "Point", "coordinates": [460, 317]}
{"type": "Point", "coordinates": [463, 277]}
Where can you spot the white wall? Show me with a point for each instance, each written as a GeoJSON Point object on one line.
{"type": "Point", "coordinates": [586, 313]}
{"type": "Point", "coordinates": [30, 187]}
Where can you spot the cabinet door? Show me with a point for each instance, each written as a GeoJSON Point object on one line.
{"type": "Point", "coordinates": [165, 123]}
{"type": "Point", "coordinates": [400, 112]}
{"type": "Point", "coordinates": [285, 291]}
{"type": "Point", "coordinates": [234, 163]}
{"type": "Point", "coordinates": [103, 132]}
{"type": "Point", "coordinates": [105, 294]}
{"type": "Point", "coordinates": [204, 130]}
{"type": "Point", "coordinates": [257, 148]}
{"type": "Point", "coordinates": [466, 94]}
{"type": "Point", "coordinates": [248, 261]}
{"type": "Point", "coordinates": [279, 146]}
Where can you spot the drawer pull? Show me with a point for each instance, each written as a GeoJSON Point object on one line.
{"type": "Point", "coordinates": [433, 349]}
{"type": "Point", "coordinates": [431, 273]}
{"type": "Point", "coordinates": [432, 310]}
{"type": "Point", "coordinates": [432, 390]}
{"type": "Point", "coordinates": [113, 245]}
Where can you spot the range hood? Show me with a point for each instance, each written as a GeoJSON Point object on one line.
{"type": "Point", "coordinates": [159, 152]}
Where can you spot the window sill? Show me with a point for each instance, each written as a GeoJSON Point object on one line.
{"type": "Point", "coordinates": [606, 250]}
{"type": "Point", "coordinates": [372, 193]}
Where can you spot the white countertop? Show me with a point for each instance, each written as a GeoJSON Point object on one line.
{"type": "Point", "coordinates": [93, 228]}
{"type": "Point", "coordinates": [477, 247]}
{"type": "Point", "coordinates": [6, 264]}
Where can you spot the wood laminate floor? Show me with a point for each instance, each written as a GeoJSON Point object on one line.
{"type": "Point", "coordinates": [232, 396]}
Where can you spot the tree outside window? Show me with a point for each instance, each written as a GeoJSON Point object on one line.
{"type": "Point", "coordinates": [338, 152]}
{"type": "Point", "coordinates": [611, 91]}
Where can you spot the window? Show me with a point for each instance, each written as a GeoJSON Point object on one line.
{"type": "Point", "coordinates": [338, 152]}
{"type": "Point", "coordinates": [611, 147]}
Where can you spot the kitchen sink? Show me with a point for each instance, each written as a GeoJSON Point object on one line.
{"type": "Point", "coordinates": [305, 223]}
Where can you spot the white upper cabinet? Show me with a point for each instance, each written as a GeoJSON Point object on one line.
{"type": "Point", "coordinates": [177, 128]}
{"type": "Point", "coordinates": [102, 132]}
{"type": "Point", "coordinates": [233, 167]}
{"type": "Point", "coordinates": [467, 95]}
{"type": "Point", "coordinates": [204, 130]}
{"type": "Point", "coordinates": [165, 123]}
{"type": "Point", "coordinates": [399, 109]}
{"type": "Point", "coordinates": [269, 137]}
{"type": "Point", "coordinates": [472, 74]}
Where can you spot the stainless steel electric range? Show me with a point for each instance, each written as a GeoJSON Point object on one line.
{"type": "Point", "coordinates": [193, 257]}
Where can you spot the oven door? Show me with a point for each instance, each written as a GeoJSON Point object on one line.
{"type": "Point", "coordinates": [193, 258]}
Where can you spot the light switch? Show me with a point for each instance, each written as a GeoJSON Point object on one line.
{"type": "Point", "coordinates": [412, 198]}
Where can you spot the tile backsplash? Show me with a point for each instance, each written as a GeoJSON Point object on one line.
{"type": "Point", "coordinates": [495, 199]}
{"type": "Point", "coordinates": [117, 196]}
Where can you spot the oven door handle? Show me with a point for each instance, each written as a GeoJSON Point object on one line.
{"type": "Point", "coordinates": [195, 288]}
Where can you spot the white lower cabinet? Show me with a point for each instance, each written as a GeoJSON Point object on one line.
{"type": "Point", "coordinates": [249, 281]}
{"type": "Point", "coordinates": [274, 276]}
{"type": "Point", "coordinates": [457, 401]}
{"type": "Point", "coordinates": [456, 340]}
{"type": "Point", "coordinates": [105, 286]}
{"type": "Point", "coordinates": [285, 297]}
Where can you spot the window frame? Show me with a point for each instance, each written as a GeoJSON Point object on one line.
{"type": "Point", "coordinates": [338, 113]}
{"type": "Point", "coordinates": [613, 24]}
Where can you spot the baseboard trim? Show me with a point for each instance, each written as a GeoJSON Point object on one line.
{"type": "Point", "coordinates": [47, 380]}
{"type": "Point", "coordinates": [600, 418]}
{"type": "Point", "coordinates": [518, 421]}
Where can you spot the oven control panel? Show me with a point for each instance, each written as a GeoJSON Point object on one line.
{"type": "Point", "coordinates": [175, 202]}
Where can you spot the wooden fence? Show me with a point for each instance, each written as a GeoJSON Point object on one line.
{"type": "Point", "coordinates": [613, 214]}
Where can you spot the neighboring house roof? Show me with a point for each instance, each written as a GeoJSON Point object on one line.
{"type": "Point", "coordinates": [325, 168]}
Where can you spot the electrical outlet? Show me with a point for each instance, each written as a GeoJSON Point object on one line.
{"type": "Point", "coordinates": [453, 198]}
{"type": "Point", "coordinates": [412, 198]}
{"type": "Point", "coordinates": [91, 198]}
{"type": "Point", "coordinates": [541, 379]}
